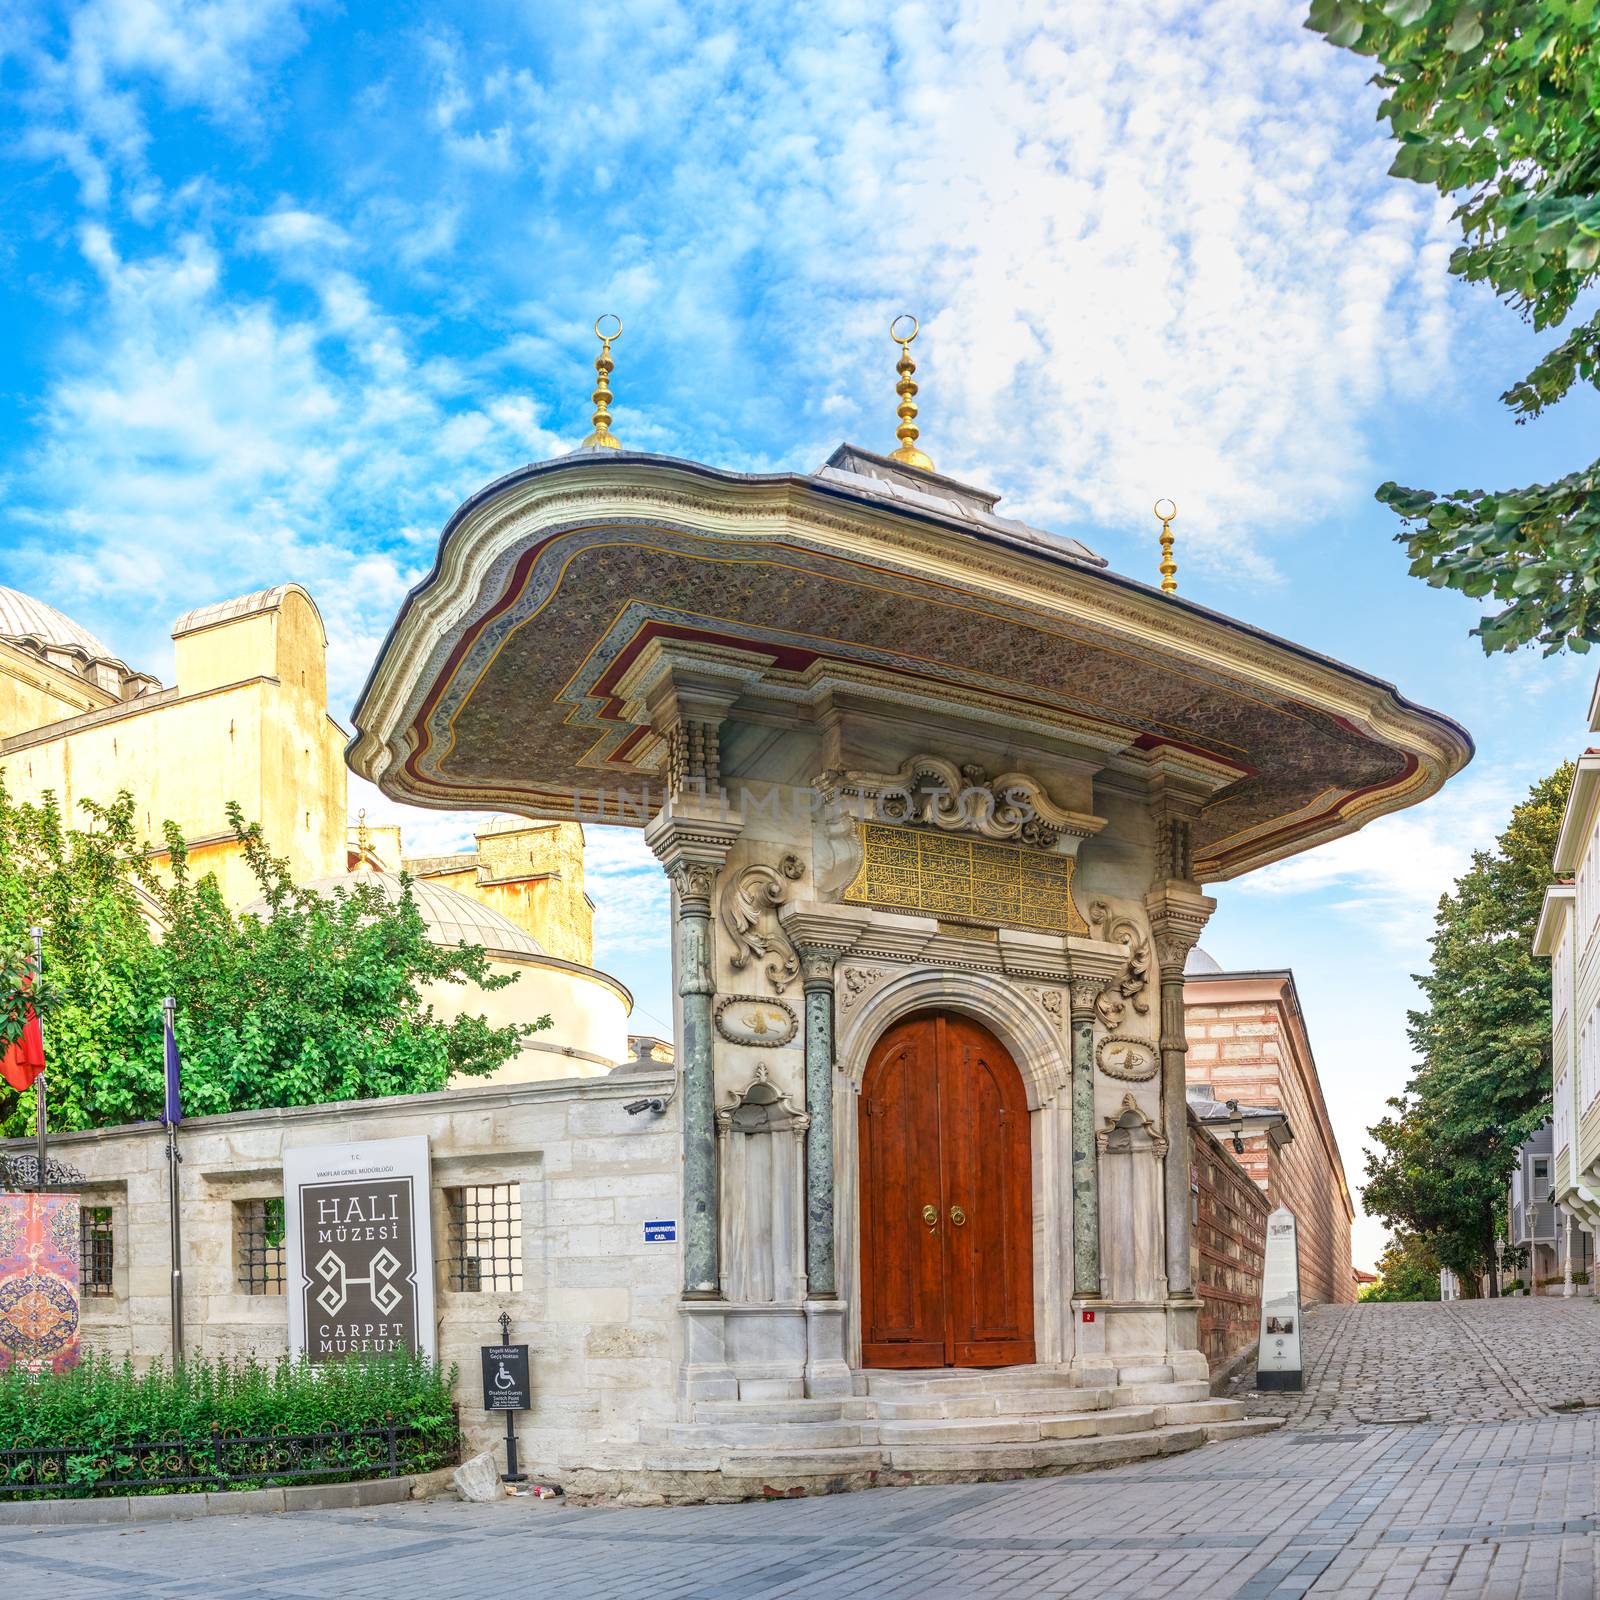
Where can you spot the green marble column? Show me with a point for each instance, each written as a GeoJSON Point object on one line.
{"type": "Point", "coordinates": [1085, 1154]}
{"type": "Point", "coordinates": [821, 1272]}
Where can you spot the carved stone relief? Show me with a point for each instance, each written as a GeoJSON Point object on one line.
{"type": "Point", "coordinates": [855, 981]}
{"type": "Point", "coordinates": [694, 759]}
{"type": "Point", "coordinates": [763, 1175]}
{"type": "Point", "coordinates": [1050, 1001]}
{"type": "Point", "coordinates": [761, 1107]}
{"type": "Point", "coordinates": [1130, 1130]}
{"type": "Point", "coordinates": [694, 880]}
{"type": "Point", "coordinates": [938, 793]}
{"type": "Point", "coordinates": [1130, 986]}
{"type": "Point", "coordinates": [1133, 1060]}
{"type": "Point", "coordinates": [748, 912]}
{"type": "Point", "coordinates": [750, 1019]}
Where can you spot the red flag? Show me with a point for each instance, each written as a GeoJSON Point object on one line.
{"type": "Point", "coordinates": [24, 1060]}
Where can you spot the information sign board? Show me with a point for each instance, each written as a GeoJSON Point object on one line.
{"type": "Point", "coordinates": [1278, 1349]}
{"type": "Point", "coordinates": [505, 1377]}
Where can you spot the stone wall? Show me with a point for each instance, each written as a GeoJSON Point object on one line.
{"type": "Point", "coordinates": [1230, 1239]}
{"type": "Point", "coordinates": [1248, 1042]}
{"type": "Point", "coordinates": [596, 1304]}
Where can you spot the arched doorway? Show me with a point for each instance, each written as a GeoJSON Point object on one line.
{"type": "Point", "coordinates": [946, 1199]}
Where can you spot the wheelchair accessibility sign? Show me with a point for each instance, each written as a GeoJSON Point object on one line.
{"type": "Point", "coordinates": [505, 1377]}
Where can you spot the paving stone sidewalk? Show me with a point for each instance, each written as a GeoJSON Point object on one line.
{"type": "Point", "coordinates": [1496, 1506]}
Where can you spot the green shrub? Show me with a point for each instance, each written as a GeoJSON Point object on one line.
{"type": "Point", "coordinates": [113, 1421]}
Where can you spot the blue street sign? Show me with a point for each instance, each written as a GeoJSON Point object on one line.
{"type": "Point", "coordinates": [660, 1232]}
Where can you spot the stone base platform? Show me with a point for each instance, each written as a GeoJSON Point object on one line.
{"type": "Point", "coordinates": [940, 1426]}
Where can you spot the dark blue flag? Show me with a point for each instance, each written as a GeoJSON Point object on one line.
{"type": "Point", "coordinates": [172, 1115]}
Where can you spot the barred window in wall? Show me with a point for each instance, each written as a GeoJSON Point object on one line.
{"type": "Point", "coordinates": [95, 1256]}
{"type": "Point", "coordinates": [258, 1245]}
{"type": "Point", "coordinates": [485, 1238]}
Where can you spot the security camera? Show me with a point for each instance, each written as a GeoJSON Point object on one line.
{"type": "Point", "coordinates": [654, 1103]}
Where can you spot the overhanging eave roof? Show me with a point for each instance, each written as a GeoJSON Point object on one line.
{"type": "Point", "coordinates": [497, 686]}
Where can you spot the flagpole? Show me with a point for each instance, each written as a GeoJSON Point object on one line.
{"type": "Point", "coordinates": [168, 1046]}
{"type": "Point", "coordinates": [42, 1143]}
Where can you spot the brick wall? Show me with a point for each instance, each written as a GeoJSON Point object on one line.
{"type": "Point", "coordinates": [1247, 1042]}
{"type": "Point", "coordinates": [1230, 1238]}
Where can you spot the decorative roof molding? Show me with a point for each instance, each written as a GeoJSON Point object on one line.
{"type": "Point", "coordinates": [502, 558]}
{"type": "Point", "coordinates": [963, 799]}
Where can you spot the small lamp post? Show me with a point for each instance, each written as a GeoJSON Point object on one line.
{"type": "Point", "coordinates": [1499, 1267]}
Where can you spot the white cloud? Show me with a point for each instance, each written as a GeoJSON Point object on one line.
{"type": "Point", "coordinates": [1155, 246]}
{"type": "Point", "coordinates": [201, 445]}
{"type": "Point", "coordinates": [1387, 879]}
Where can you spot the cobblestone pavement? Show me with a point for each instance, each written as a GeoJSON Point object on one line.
{"type": "Point", "coordinates": [1467, 1361]}
{"type": "Point", "coordinates": [1492, 1496]}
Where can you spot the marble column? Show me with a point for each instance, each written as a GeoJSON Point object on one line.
{"type": "Point", "coordinates": [691, 842]}
{"type": "Point", "coordinates": [816, 973]}
{"type": "Point", "coordinates": [1178, 912]}
{"type": "Point", "coordinates": [1085, 1159]}
{"type": "Point", "coordinates": [1566, 1255]}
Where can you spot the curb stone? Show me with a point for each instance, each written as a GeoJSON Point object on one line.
{"type": "Point", "coordinates": [230, 1503]}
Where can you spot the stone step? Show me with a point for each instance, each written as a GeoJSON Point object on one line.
{"type": "Point", "coordinates": [783, 1411]}
{"type": "Point", "coordinates": [769, 1465]}
{"type": "Point", "coordinates": [786, 1437]}
{"type": "Point", "coordinates": [1003, 1402]}
{"type": "Point", "coordinates": [1114, 1419]}
{"type": "Point", "coordinates": [1203, 1411]}
{"type": "Point", "coordinates": [1242, 1428]}
{"type": "Point", "coordinates": [959, 1431]}
{"type": "Point", "coordinates": [934, 1381]}
{"type": "Point", "coordinates": [1161, 1394]}
{"type": "Point", "coordinates": [985, 1460]}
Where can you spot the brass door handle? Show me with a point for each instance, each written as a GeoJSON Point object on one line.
{"type": "Point", "coordinates": [958, 1216]}
{"type": "Point", "coordinates": [930, 1215]}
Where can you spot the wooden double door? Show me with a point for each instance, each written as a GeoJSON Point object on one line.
{"type": "Point", "coordinates": [946, 1199]}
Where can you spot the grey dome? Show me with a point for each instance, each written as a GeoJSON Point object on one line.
{"type": "Point", "coordinates": [452, 918]}
{"type": "Point", "coordinates": [1201, 964]}
{"type": "Point", "coordinates": [23, 617]}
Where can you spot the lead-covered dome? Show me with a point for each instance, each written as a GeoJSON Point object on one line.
{"type": "Point", "coordinates": [23, 617]}
{"type": "Point", "coordinates": [452, 918]}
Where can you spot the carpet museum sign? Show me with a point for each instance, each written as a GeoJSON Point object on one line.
{"type": "Point", "coordinates": [360, 1249]}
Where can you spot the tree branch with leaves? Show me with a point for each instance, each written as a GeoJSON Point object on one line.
{"type": "Point", "coordinates": [1497, 105]}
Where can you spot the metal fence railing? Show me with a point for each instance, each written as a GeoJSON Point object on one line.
{"type": "Point", "coordinates": [225, 1460]}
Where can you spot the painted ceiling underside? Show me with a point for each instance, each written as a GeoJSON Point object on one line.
{"type": "Point", "coordinates": [517, 706]}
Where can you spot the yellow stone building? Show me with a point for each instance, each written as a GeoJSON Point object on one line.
{"type": "Point", "coordinates": [247, 720]}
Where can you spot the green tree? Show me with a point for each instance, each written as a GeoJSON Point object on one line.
{"type": "Point", "coordinates": [1497, 104]}
{"type": "Point", "coordinates": [319, 998]}
{"type": "Point", "coordinates": [1408, 1269]}
{"type": "Point", "coordinates": [1482, 1085]}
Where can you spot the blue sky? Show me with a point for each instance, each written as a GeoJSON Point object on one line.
{"type": "Point", "coordinates": [284, 282]}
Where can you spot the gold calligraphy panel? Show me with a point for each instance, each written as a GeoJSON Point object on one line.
{"type": "Point", "coordinates": [965, 880]}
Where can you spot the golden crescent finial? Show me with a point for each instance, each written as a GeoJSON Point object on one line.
{"type": "Point", "coordinates": [602, 438]}
{"type": "Point", "coordinates": [1169, 567]}
{"type": "Point", "coordinates": [908, 453]}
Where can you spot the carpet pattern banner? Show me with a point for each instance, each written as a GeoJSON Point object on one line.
{"type": "Point", "coordinates": [39, 1243]}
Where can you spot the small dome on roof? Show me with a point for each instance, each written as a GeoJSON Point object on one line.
{"type": "Point", "coordinates": [1201, 964]}
{"type": "Point", "coordinates": [452, 917]}
{"type": "Point", "coordinates": [23, 617]}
